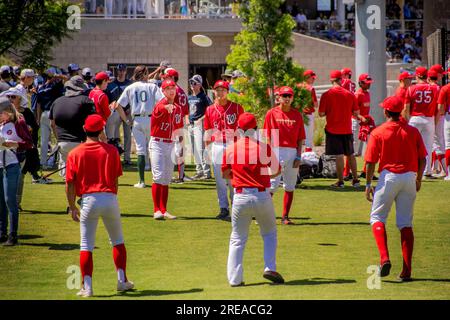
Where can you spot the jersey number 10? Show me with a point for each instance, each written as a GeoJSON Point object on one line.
{"type": "Point", "coordinates": [141, 96]}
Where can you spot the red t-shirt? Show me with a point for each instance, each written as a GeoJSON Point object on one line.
{"type": "Point", "coordinates": [93, 167]}
{"type": "Point", "coordinates": [221, 121]}
{"type": "Point", "coordinates": [285, 129]}
{"type": "Point", "coordinates": [444, 97]}
{"type": "Point", "coordinates": [338, 105]}
{"type": "Point", "coordinates": [182, 100]}
{"type": "Point", "coordinates": [349, 85]}
{"type": "Point", "coordinates": [401, 93]}
{"type": "Point", "coordinates": [397, 145]}
{"type": "Point", "coordinates": [249, 161]}
{"type": "Point", "coordinates": [421, 98]}
{"type": "Point", "coordinates": [363, 99]}
{"type": "Point", "coordinates": [309, 109]}
{"type": "Point", "coordinates": [165, 124]}
{"type": "Point", "coordinates": [101, 102]}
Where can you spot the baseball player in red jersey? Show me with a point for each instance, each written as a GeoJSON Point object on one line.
{"type": "Point", "coordinates": [250, 164]}
{"type": "Point", "coordinates": [285, 132]}
{"type": "Point", "coordinates": [182, 100]}
{"type": "Point", "coordinates": [167, 120]}
{"type": "Point", "coordinates": [405, 80]}
{"type": "Point", "coordinates": [220, 129]}
{"type": "Point", "coordinates": [419, 110]}
{"type": "Point", "coordinates": [347, 82]}
{"type": "Point", "coordinates": [401, 152]}
{"type": "Point", "coordinates": [310, 77]}
{"type": "Point", "coordinates": [444, 110]}
{"type": "Point", "coordinates": [92, 173]}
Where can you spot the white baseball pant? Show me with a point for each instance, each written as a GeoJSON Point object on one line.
{"type": "Point", "coordinates": [196, 133]}
{"type": "Point", "coordinates": [141, 134]}
{"type": "Point", "coordinates": [439, 140]}
{"type": "Point", "coordinates": [113, 125]}
{"type": "Point", "coordinates": [46, 131]}
{"type": "Point", "coordinates": [391, 187]}
{"type": "Point", "coordinates": [64, 149]}
{"type": "Point", "coordinates": [99, 205]}
{"type": "Point", "coordinates": [222, 184]}
{"type": "Point", "coordinates": [425, 125]}
{"type": "Point", "coordinates": [246, 205]}
{"type": "Point", "coordinates": [357, 146]}
{"type": "Point", "coordinates": [309, 131]}
{"type": "Point", "coordinates": [161, 155]}
{"type": "Point", "coordinates": [286, 157]}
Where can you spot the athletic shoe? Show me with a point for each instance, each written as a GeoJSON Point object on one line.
{"type": "Point", "coordinates": [12, 240]}
{"type": "Point", "coordinates": [439, 175]}
{"type": "Point", "coordinates": [224, 214]}
{"type": "Point", "coordinates": [124, 286]}
{"type": "Point", "coordinates": [197, 176]}
{"type": "Point", "coordinates": [447, 178]}
{"type": "Point", "coordinates": [158, 215]}
{"type": "Point", "coordinates": [286, 221]}
{"type": "Point", "coordinates": [186, 178]}
{"type": "Point", "coordinates": [273, 276]}
{"type": "Point", "coordinates": [169, 216]}
{"type": "Point", "coordinates": [405, 278]}
{"type": "Point", "coordinates": [428, 177]}
{"type": "Point", "coordinates": [348, 178]}
{"type": "Point", "coordinates": [238, 285]}
{"type": "Point", "coordinates": [362, 175]}
{"type": "Point", "coordinates": [140, 185]}
{"type": "Point", "coordinates": [176, 180]}
{"type": "Point", "coordinates": [42, 181]}
{"type": "Point", "coordinates": [385, 268]}
{"type": "Point", "coordinates": [356, 183]}
{"type": "Point", "coordinates": [85, 293]}
{"type": "Point", "coordinates": [339, 184]}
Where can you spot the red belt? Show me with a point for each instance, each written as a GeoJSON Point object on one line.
{"type": "Point", "coordinates": [162, 140]}
{"type": "Point", "coordinates": [239, 190]}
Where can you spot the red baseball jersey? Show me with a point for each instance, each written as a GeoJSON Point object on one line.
{"type": "Point", "coordinates": [422, 98]}
{"type": "Point", "coordinates": [363, 100]}
{"type": "Point", "coordinates": [397, 146]}
{"type": "Point", "coordinates": [182, 100]}
{"type": "Point", "coordinates": [310, 109]}
{"type": "Point", "coordinates": [349, 85]}
{"type": "Point", "coordinates": [338, 104]}
{"type": "Point", "coordinates": [164, 124]}
{"type": "Point", "coordinates": [101, 102]}
{"type": "Point", "coordinates": [93, 167]}
{"type": "Point", "coordinates": [401, 93]}
{"type": "Point", "coordinates": [285, 129]}
{"type": "Point", "coordinates": [249, 161]}
{"type": "Point", "coordinates": [222, 120]}
{"type": "Point", "coordinates": [444, 97]}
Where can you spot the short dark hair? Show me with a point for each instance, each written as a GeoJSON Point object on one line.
{"type": "Point", "coordinates": [93, 134]}
{"type": "Point", "coordinates": [393, 115]}
{"type": "Point", "coordinates": [99, 82]}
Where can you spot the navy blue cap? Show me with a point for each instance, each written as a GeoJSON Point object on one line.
{"type": "Point", "coordinates": [73, 67]}
{"type": "Point", "coordinates": [121, 66]}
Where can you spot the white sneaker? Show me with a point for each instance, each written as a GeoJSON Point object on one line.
{"type": "Point", "coordinates": [140, 185]}
{"type": "Point", "coordinates": [85, 293]}
{"type": "Point", "coordinates": [169, 216]}
{"type": "Point", "coordinates": [158, 215]}
{"type": "Point", "coordinates": [439, 175]}
{"type": "Point", "coordinates": [447, 178]}
{"type": "Point", "coordinates": [124, 286]}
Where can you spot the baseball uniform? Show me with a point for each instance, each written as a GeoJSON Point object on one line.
{"type": "Point", "coordinates": [181, 99]}
{"type": "Point", "coordinates": [101, 103]}
{"type": "Point", "coordinates": [220, 126]}
{"type": "Point", "coordinates": [422, 100]}
{"type": "Point", "coordinates": [165, 128]}
{"type": "Point", "coordinates": [349, 85]}
{"type": "Point", "coordinates": [309, 112]}
{"type": "Point", "coordinates": [444, 100]}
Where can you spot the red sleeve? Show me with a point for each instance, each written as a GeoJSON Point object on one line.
{"type": "Point", "coordinates": [119, 164]}
{"type": "Point", "coordinates": [313, 95]}
{"type": "Point", "coordinates": [408, 96]}
{"type": "Point", "coordinates": [70, 169]}
{"type": "Point", "coordinates": [323, 103]}
{"type": "Point", "coordinates": [104, 106]}
{"type": "Point", "coordinates": [267, 125]}
{"type": "Point", "coordinates": [159, 109]}
{"type": "Point", "coordinates": [24, 133]}
{"type": "Point", "coordinates": [373, 150]}
{"type": "Point", "coordinates": [443, 95]}
{"type": "Point", "coordinates": [355, 106]}
{"type": "Point", "coordinates": [421, 150]}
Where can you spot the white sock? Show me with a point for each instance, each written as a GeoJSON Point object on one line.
{"type": "Point", "coordinates": [87, 283]}
{"type": "Point", "coordinates": [120, 275]}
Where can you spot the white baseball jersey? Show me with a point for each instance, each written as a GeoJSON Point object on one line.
{"type": "Point", "coordinates": [141, 96]}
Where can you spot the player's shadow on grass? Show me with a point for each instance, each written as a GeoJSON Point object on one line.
{"type": "Point", "coordinates": [347, 188]}
{"type": "Point", "coordinates": [318, 281]}
{"type": "Point", "coordinates": [42, 212]}
{"type": "Point", "coordinates": [150, 293]}
{"type": "Point", "coordinates": [29, 236]}
{"type": "Point", "coordinates": [417, 280]}
{"type": "Point", "coordinates": [54, 246]}
{"type": "Point", "coordinates": [331, 223]}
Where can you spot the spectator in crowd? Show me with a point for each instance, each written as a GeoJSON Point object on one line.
{"type": "Point", "coordinates": [302, 21]}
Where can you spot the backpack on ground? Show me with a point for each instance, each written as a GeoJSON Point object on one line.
{"type": "Point", "coordinates": [327, 166]}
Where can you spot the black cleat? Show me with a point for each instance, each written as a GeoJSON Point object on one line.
{"type": "Point", "coordinates": [273, 276]}
{"type": "Point", "coordinates": [385, 268]}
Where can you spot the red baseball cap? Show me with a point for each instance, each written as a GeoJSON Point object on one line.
{"type": "Point", "coordinates": [335, 74]}
{"type": "Point", "coordinates": [171, 72]}
{"type": "Point", "coordinates": [168, 83]}
{"type": "Point", "coordinates": [432, 73]}
{"type": "Point", "coordinates": [346, 71]}
{"type": "Point", "coordinates": [439, 69]}
{"type": "Point", "coordinates": [285, 90]}
{"type": "Point", "coordinates": [247, 121]}
{"type": "Point", "coordinates": [309, 73]}
{"type": "Point", "coordinates": [393, 104]}
{"type": "Point", "coordinates": [405, 75]}
{"type": "Point", "coordinates": [365, 78]}
{"type": "Point", "coordinates": [421, 72]}
{"type": "Point", "coordinates": [101, 76]}
{"type": "Point", "coordinates": [94, 123]}
{"type": "Point", "coordinates": [221, 84]}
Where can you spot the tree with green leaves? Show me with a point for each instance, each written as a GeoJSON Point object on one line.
{"type": "Point", "coordinates": [30, 28]}
{"type": "Point", "coordinates": [261, 52]}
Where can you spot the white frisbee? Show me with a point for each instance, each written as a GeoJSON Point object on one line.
{"type": "Point", "coordinates": [202, 40]}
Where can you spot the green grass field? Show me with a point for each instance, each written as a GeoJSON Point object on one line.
{"type": "Point", "coordinates": [324, 256]}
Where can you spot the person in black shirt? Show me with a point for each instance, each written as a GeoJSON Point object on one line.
{"type": "Point", "coordinates": [67, 115]}
{"type": "Point", "coordinates": [198, 102]}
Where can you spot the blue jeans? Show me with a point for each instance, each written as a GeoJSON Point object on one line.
{"type": "Point", "coordinates": [9, 183]}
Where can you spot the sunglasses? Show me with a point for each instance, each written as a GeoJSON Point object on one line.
{"type": "Point", "coordinates": [12, 97]}
{"type": "Point", "coordinates": [193, 83]}
{"type": "Point", "coordinates": [286, 95]}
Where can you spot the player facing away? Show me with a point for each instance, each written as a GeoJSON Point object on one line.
{"type": "Point", "coordinates": [93, 170]}
{"type": "Point", "coordinates": [250, 164]}
{"type": "Point", "coordinates": [167, 127]}
{"type": "Point", "coordinates": [220, 129]}
{"type": "Point", "coordinates": [419, 110]}
{"type": "Point", "coordinates": [401, 152]}
{"type": "Point", "coordinates": [285, 133]}
{"type": "Point", "coordinates": [142, 97]}
{"type": "Point", "coordinates": [310, 77]}
{"type": "Point", "coordinates": [444, 110]}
